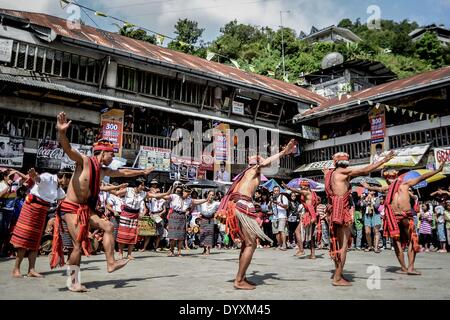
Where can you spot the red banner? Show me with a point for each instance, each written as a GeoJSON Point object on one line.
{"type": "Point", "coordinates": [112, 128]}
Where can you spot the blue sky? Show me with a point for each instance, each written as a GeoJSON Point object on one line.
{"type": "Point", "coordinates": [161, 15]}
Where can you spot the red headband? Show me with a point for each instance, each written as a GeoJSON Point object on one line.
{"type": "Point", "coordinates": [304, 183]}
{"type": "Point", "coordinates": [340, 156]}
{"type": "Point", "coordinates": [103, 146]}
{"type": "Point", "coordinates": [390, 174]}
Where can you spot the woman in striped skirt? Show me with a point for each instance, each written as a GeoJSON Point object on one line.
{"type": "Point", "coordinates": [133, 207]}
{"type": "Point", "coordinates": [30, 225]}
{"type": "Point", "coordinates": [208, 210]}
{"type": "Point", "coordinates": [180, 203]}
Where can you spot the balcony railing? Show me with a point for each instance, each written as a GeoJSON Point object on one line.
{"type": "Point", "coordinates": [438, 137]}
{"type": "Point", "coordinates": [357, 150]}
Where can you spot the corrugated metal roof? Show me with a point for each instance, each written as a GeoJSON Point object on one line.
{"type": "Point", "coordinates": [164, 55]}
{"type": "Point", "coordinates": [46, 84]}
{"type": "Point", "coordinates": [385, 90]}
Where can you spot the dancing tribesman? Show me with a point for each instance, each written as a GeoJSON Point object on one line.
{"type": "Point", "coordinates": [47, 189]}
{"type": "Point", "coordinates": [398, 216]}
{"type": "Point", "coordinates": [340, 207]}
{"type": "Point", "coordinates": [309, 200]}
{"type": "Point", "coordinates": [238, 208]}
{"type": "Point", "coordinates": [78, 208]}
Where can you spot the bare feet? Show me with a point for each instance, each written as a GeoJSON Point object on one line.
{"type": "Point", "coordinates": [118, 264]}
{"type": "Point", "coordinates": [141, 250]}
{"type": "Point", "coordinates": [179, 254]}
{"type": "Point", "coordinates": [300, 253]}
{"type": "Point", "coordinates": [414, 272]}
{"type": "Point", "coordinates": [312, 256]}
{"type": "Point", "coordinates": [78, 288]}
{"type": "Point", "coordinates": [35, 274]}
{"type": "Point", "coordinates": [243, 285]}
{"type": "Point", "coordinates": [402, 271]}
{"type": "Point", "coordinates": [131, 258]}
{"type": "Point", "coordinates": [120, 256]}
{"type": "Point", "coordinates": [341, 283]}
{"type": "Point", "coordinates": [16, 273]}
{"type": "Point", "coordinates": [171, 254]}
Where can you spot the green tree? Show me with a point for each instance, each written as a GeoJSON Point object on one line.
{"type": "Point", "coordinates": [429, 48]}
{"type": "Point", "coordinates": [345, 23]}
{"type": "Point", "coordinates": [130, 31]}
{"type": "Point", "coordinates": [188, 34]}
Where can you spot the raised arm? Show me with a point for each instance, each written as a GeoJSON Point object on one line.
{"type": "Point", "coordinates": [371, 167]}
{"type": "Point", "coordinates": [287, 150]}
{"type": "Point", "coordinates": [61, 126]}
{"type": "Point", "coordinates": [425, 176]}
{"type": "Point", "coordinates": [433, 194]}
{"type": "Point", "coordinates": [295, 190]}
{"type": "Point", "coordinates": [374, 188]}
{"type": "Point", "coordinates": [127, 173]}
{"type": "Point", "coordinates": [165, 195]}
{"type": "Point", "coordinates": [199, 201]}
{"type": "Point", "coordinates": [113, 188]}
{"type": "Point", "coordinates": [33, 175]}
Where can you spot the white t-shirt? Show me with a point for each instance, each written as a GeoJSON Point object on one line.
{"type": "Point", "coordinates": [47, 189]}
{"type": "Point", "coordinates": [135, 200]}
{"type": "Point", "coordinates": [156, 205]}
{"type": "Point", "coordinates": [115, 202]}
{"type": "Point", "coordinates": [209, 209]}
{"type": "Point", "coordinates": [278, 211]}
{"type": "Point", "coordinates": [177, 203]}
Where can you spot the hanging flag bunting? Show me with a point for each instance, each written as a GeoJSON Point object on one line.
{"type": "Point", "coordinates": [359, 101]}
{"type": "Point", "coordinates": [159, 39]}
{"type": "Point", "coordinates": [252, 68]}
{"type": "Point", "coordinates": [370, 103]}
{"type": "Point", "coordinates": [411, 113]}
{"type": "Point", "coordinates": [395, 109]}
{"type": "Point", "coordinates": [421, 115]}
{"type": "Point", "coordinates": [100, 14]}
{"type": "Point", "coordinates": [416, 112]}
{"type": "Point", "coordinates": [209, 55]}
{"type": "Point", "coordinates": [403, 111]}
{"type": "Point", "coordinates": [388, 108]}
{"type": "Point", "coordinates": [377, 106]}
{"type": "Point", "coordinates": [63, 3]}
{"type": "Point", "coordinates": [339, 95]}
{"type": "Point", "coordinates": [235, 63]}
{"type": "Point", "coordinates": [348, 96]}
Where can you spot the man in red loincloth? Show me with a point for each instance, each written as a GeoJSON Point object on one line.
{"type": "Point", "coordinates": [238, 208]}
{"type": "Point", "coordinates": [309, 200]}
{"type": "Point", "coordinates": [398, 216]}
{"type": "Point", "coordinates": [78, 208]}
{"type": "Point", "coordinates": [340, 210]}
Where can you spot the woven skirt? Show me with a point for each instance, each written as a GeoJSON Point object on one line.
{"type": "Point", "coordinates": [207, 232]}
{"type": "Point", "coordinates": [128, 227]}
{"type": "Point", "coordinates": [177, 226]}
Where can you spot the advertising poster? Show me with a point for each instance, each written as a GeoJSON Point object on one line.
{"type": "Point", "coordinates": [112, 128]}
{"type": "Point", "coordinates": [377, 120]}
{"type": "Point", "coordinates": [184, 169]}
{"type": "Point", "coordinates": [158, 158]}
{"type": "Point", "coordinates": [222, 166]}
{"type": "Point", "coordinates": [11, 152]}
{"type": "Point", "coordinates": [442, 155]}
{"type": "Point", "coordinates": [49, 155]}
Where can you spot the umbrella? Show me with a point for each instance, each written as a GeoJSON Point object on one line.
{"type": "Point", "coordinates": [369, 180]}
{"type": "Point", "coordinates": [417, 173]}
{"type": "Point", "coordinates": [272, 184]}
{"type": "Point", "coordinates": [316, 186]}
{"type": "Point", "coordinates": [382, 181]}
{"type": "Point", "coordinates": [202, 184]}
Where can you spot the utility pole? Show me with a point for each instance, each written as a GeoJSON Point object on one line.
{"type": "Point", "coordinates": [282, 42]}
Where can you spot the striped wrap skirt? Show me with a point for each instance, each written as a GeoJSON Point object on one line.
{"type": "Point", "coordinates": [177, 226]}
{"type": "Point", "coordinates": [128, 226]}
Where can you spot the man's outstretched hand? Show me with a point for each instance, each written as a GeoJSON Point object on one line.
{"type": "Point", "coordinates": [148, 171]}
{"type": "Point", "coordinates": [290, 147]}
{"type": "Point", "coordinates": [62, 124]}
{"type": "Point", "coordinates": [389, 156]}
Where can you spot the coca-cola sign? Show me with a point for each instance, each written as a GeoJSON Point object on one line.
{"type": "Point", "coordinates": [49, 155]}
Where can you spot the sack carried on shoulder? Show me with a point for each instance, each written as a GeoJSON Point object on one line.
{"type": "Point", "coordinates": [146, 227]}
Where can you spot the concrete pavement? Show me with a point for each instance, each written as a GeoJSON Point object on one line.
{"type": "Point", "coordinates": [279, 276]}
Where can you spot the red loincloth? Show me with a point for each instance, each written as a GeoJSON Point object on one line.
{"type": "Point", "coordinates": [341, 214]}
{"type": "Point", "coordinates": [310, 215]}
{"type": "Point", "coordinates": [31, 223]}
{"type": "Point", "coordinates": [392, 221]}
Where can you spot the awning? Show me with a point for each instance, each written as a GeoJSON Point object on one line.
{"type": "Point", "coordinates": [409, 156]}
{"type": "Point", "coordinates": [320, 165]}
{"type": "Point", "coordinates": [96, 95]}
